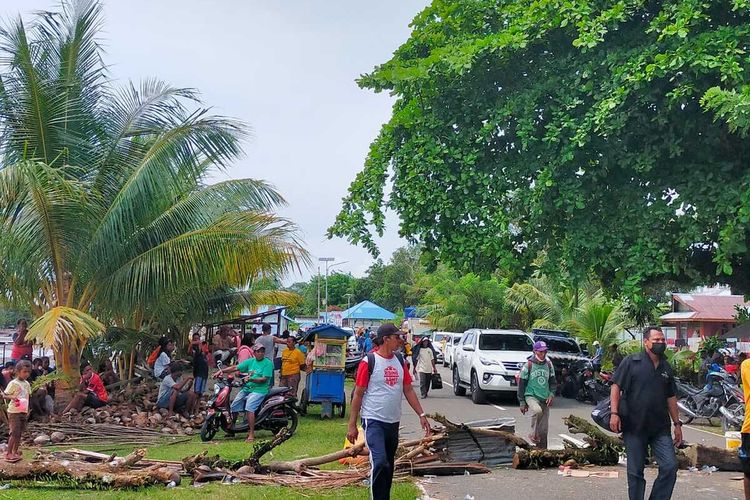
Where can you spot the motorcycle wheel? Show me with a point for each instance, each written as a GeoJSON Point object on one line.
{"type": "Point", "coordinates": [726, 425]}
{"type": "Point", "coordinates": [690, 403]}
{"type": "Point", "coordinates": [209, 428]}
{"type": "Point", "coordinates": [292, 419]}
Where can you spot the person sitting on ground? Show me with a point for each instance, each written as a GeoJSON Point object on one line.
{"type": "Point", "coordinates": [161, 365]}
{"type": "Point", "coordinates": [259, 371]}
{"type": "Point", "coordinates": [36, 369]}
{"type": "Point", "coordinates": [245, 350]}
{"type": "Point", "coordinates": [7, 374]}
{"type": "Point", "coordinates": [22, 348]}
{"type": "Point", "coordinates": [292, 360]}
{"type": "Point", "coordinates": [107, 373]}
{"type": "Point", "coordinates": [91, 391]}
{"type": "Point", "coordinates": [224, 344]}
{"type": "Point", "coordinates": [200, 368]}
{"type": "Point", "coordinates": [175, 393]}
{"type": "Point", "coordinates": [46, 365]}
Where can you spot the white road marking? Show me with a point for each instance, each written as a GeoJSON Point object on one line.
{"type": "Point", "coordinates": [494, 406]}
{"type": "Point", "coordinates": [703, 431]}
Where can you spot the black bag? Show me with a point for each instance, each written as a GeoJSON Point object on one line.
{"type": "Point", "coordinates": [437, 381]}
{"type": "Point", "coordinates": [602, 414]}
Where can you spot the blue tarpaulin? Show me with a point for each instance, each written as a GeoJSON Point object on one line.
{"type": "Point", "coordinates": [367, 310]}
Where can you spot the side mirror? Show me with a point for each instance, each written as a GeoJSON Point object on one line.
{"type": "Point", "coordinates": [468, 348]}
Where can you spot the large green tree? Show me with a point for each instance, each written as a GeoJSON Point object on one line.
{"type": "Point", "coordinates": [105, 213]}
{"type": "Point", "coordinates": [608, 135]}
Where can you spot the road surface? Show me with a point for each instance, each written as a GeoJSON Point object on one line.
{"type": "Point", "coordinates": [548, 484]}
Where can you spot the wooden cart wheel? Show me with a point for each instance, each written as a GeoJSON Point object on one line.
{"type": "Point", "coordinates": [342, 408]}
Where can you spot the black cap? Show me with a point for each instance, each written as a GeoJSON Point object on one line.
{"type": "Point", "coordinates": [387, 329]}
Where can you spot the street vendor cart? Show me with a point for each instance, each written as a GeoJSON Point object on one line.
{"type": "Point", "coordinates": [325, 382]}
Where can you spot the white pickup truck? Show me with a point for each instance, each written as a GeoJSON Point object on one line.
{"type": "Point", "coordinates": [487, 361]}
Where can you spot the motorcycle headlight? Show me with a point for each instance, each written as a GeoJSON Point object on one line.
{"type": "Point", "coordinates": [488, 362]}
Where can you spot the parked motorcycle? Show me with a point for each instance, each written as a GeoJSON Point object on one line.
{"type": "Point", "coordinates": [278, 410]}
{"type": "Point", "coordinates": [733, 413]}
{"type": "Point", "coordinates": [705, 403]}
{"type": "Point", "coordinates": [589, 388]}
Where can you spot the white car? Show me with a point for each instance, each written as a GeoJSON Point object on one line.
{"type": "Point", "coordinates": [437, 342]}
{"type": "Point", "coordinates": [487, 361]}
{"type": "Point", "coordinates": [450, 347]}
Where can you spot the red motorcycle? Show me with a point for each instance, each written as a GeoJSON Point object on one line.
{"type": "Point", "coordinates": [277, 411]}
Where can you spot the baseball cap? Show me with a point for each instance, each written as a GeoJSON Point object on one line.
{"type": "Point", "coordinates": [259, 346]}
{"type": "Point", "coordinates": [540, 346]}
{"type": "Point", "coordinates": [387, 329]}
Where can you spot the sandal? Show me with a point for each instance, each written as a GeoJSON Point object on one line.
{"type": "Point", "coordinates": [12, 458]}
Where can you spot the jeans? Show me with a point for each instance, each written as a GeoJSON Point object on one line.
{"type": "Point", "coordinates": [539, 420]}
{"type": "Point", "coordinates": [662, 447]}
{"type": "Point", "coordinates": [381, 439]}
{"type": "Point", "coordinates": [425, 379]}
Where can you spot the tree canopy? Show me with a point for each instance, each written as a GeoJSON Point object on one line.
{"type": "Point", "coordinates": [608, 136]}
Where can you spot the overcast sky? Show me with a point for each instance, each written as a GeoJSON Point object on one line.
{"type": "Point", "coordinates": [286, 68]}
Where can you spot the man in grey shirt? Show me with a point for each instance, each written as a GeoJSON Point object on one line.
{"type": "Point", "coordinates": [267, 340]}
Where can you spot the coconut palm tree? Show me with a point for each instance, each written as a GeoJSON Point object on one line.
{"type": "Point", "coordinates": [105, 211]}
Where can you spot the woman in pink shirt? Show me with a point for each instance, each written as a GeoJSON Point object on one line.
{"type": "Point", "coordinates": [245, 350]}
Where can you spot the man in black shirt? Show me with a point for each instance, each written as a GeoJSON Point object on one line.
{"type": "Point", "coordinates": [643, 402]}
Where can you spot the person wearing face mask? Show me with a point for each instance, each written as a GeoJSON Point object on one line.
{"type": "Point", "coordinates": [643, 401]}
{"type": "Point", "coordinates": [536, 388]}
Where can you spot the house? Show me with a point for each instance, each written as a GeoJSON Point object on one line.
{"type": "Point", "coordinates": [695, 316]}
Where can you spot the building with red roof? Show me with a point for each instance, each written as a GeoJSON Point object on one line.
{"type": "Point", "coordinates": [701, 315]}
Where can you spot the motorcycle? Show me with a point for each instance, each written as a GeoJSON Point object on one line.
{"type": "Point", "coordinates": [733, 413]}
{"type": "Point", "coordinates": [590, 389]}
{"type": "Point", "coordinates": [706, 402]}
{"type": "Point", "coordinates": [277, 411]}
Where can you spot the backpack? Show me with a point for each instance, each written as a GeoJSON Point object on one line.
{"type": "Point", "coordinates": [528, 369]}
{"type": "Point", "coordinates": [151, 361]}
{"type": "Point", "coordinates": [371, 362]}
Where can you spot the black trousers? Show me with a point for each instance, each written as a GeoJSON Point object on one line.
{"type": "Point", "coordinates": [381, 439]}
{"type": "Point", "coordinates": [425, 381]}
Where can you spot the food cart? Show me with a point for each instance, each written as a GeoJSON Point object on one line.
{"type": "Point", "coordinates": [325, 382]}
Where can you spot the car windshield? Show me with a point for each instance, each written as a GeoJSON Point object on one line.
{"type": "Point", "coordinates": [500, 342]}
{"type": "Point", "coordinates": [561, 345]}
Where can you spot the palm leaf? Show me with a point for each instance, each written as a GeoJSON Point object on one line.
{"type": "Point", "coordinates": [61, 325]}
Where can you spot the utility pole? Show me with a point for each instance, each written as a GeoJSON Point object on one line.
{"type": "Point", "coordinates": [318, 283]}
{"type": "Point", "coordinates": [326, 260]}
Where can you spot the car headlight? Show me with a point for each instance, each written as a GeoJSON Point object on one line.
{"type": "Point", "coordinates": [488, 362]}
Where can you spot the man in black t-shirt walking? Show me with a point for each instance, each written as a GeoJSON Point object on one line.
{"type": "Point", "coordinates": [643, 402]}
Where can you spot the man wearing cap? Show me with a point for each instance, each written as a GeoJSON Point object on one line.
{"type": "Point", "coordinates": [536, 387]}
{"type": "Point", "coordinates": [259, 371]}
{"type": "Point", "coordinates": [378, 393]}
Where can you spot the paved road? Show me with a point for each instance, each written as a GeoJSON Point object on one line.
{"type": "Point", "coordinates": [547, 484]}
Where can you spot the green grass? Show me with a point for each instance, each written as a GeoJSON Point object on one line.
{"type": "Point", "coordinates": [314, 437]}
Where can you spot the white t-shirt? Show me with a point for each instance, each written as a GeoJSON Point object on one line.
{"type": "Point", "coordinates": [424, 361]}
{"type": "Point", "coordinates": [166, 387]}
{"type": "Point", "coordinates": [161, 363]}
{"type": "Point", "coordinates": [385, 389]}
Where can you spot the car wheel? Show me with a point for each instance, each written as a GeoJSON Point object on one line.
{"type": "Point", "coordinates": [457, 389]}
{"type": "Point", "coordinates": [478, 396]}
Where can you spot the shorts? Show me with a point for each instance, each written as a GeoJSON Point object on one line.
{"type": "Point", "coordinates": [247, 401]}
{"type": "Point", "coordinates": [199, 385]}
{"type": "Point", "coordinates": [16, 424]}
{"type": "Point", "coordinates": [179, 403]}
{"type": "Point", "coordinates": [93, 401]}
{"type": "Point", "coordinates": [744, 453]}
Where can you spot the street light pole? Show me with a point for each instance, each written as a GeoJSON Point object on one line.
{"type": "Point", "coordinates": [326, 260]}
{"type": "Point", "coordinates": [318, 306]}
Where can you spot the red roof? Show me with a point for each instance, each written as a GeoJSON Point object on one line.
{"type": "Point", "coordinates": [709, 307]}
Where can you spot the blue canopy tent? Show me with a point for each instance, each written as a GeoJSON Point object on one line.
{"type": "Point", "coordinates": [366, 313]}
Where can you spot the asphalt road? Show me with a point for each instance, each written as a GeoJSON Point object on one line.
{"type": "Point", "coordinates": [547, 484]}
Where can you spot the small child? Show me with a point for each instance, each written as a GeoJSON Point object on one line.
{"type": "Point", "coordinates": [18, 392]}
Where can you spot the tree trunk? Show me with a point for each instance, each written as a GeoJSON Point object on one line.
{"type": "Point", "coordinates": [300, 465]}
{"type": "Point", "coordinates": [725, 460]}
{"type": "Point", "coordinates": [68, 361]}
{"type": "Point", "coordinates": [541, 459]}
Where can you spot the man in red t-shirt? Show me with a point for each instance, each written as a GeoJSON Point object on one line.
{"type": "Point", "coordinates": [378, 394]}
{"type": "Point", "coordinates": [92, 392]}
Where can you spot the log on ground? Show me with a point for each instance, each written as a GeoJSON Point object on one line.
{"type": "Point", "coordinates": [699, 455]}
{"type": "Point", "coordinates": [542, 459]}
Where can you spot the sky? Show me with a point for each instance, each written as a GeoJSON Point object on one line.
{"type": "Point", "coordinates": [287, 69]}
